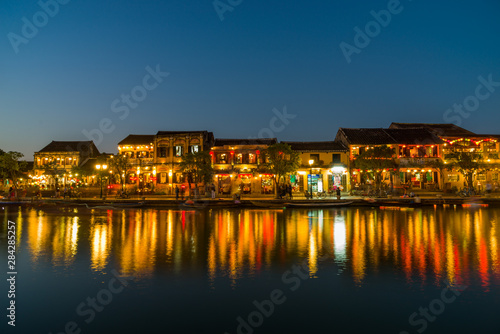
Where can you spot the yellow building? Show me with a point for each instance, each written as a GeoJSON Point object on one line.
{"type": "Point", "coordinates": [139, 150]}
{"type": "Point", "coordinates": [170, 147]}
{"type": "Point", "coordinates": [457, 139]}
{"type": "Point", "coordinates": [323, 166]}
{"type": "Point", "coordinates": [415, 150]}
{"type": "Point", "coordinates": [238, 166]}
{"type": "Point", "coordinates": [55, 162]}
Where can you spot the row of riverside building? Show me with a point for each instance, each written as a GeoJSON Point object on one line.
{"type": "Point", "coordinates": [239, 165]}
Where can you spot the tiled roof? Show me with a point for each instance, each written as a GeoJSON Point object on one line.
{"type": "Point", "coordinates": [375, 136]}
{"type": "Point", "coordinates": [441, 130]}
{"type": "Point", "coordinates": [413, 136]}
{"type": "Point", "coordinates": [251, 141]}
{"type": "Point", "coordinates": [379, 136]}
{"type": "Point", "coordinates": [166, 133]}
{"type": "Point", "coordinates": [84, 147]}
{"type": "Point", "coordinates": [328, 146]}
{"type": "Point", "coordinates": [137, 139]}
{"type": "Point", "coordinates": [478, 136]}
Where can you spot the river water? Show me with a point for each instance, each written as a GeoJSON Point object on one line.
{"type": "Point", "coordinates": [349, 270]}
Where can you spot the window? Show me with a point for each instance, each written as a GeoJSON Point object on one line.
{"type": "Point", "coordinates": [178, 151]}
{"type": "Point", "coordinates": [251, 158]}
{"type": "Point", "coordinates": [161, 152]}
{"type": "Point", "coordinates": [239, 158]}
{"type": "Point", "coordinates": [194, 148]}
{"type": "Point", "coordinates": [336, 158]}
{"type": "Point", "coordinates": [453, 177]}
{"type": "Point", "coordinates": [314, 157]}
{"type": "Point", "coordinates": [421, 151]}
{"type": "Point", "coordinates": [162, 177]}
{"type": "Point", "coordinates": [489, 146]}
{"type": "Point", "coordinates": [222, 158]}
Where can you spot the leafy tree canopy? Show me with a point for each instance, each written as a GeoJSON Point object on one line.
{"type": "Point", "coordinates": [377, 159]}
{"type": "Point", "coordinates": [197, 166]}
{"type": "Point", "coordinates": [281, 160]}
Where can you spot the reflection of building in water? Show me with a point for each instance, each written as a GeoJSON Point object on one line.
{"type": "Point", "coordinates": [443, 244]}
{"type": "Point", "coordinates": [101, 237]}
{"type": "Point", "coordinates": [459, 246]}
{"type": "Point", "coordinates": [65, 244]}
{"type": "Point", "coordinates": [57, 236]}
{"type": "Point", "coordinates": [241, 243]}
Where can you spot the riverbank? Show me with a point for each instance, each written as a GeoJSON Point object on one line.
{"type": "Point", "coordinates": [161, 201]}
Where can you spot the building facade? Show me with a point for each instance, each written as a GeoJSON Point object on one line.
{"type": "Point", "coordinates": [416, 151]}
{"type": "Point", "coordinates": [238, 165]}
{"type": "Point", "coordinates": [324, 166]}
{"type": "Point", "coordinates": [457, 139]}
{"type": "Point", "coordinates": [139, 150]}
{"type": "Point", "coordinates": [170, 147]}
{"type": "Point", "coordinates": [55, 162]}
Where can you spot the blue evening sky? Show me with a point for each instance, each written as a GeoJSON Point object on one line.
{"type": "Point", "coordinates": [228, 75]}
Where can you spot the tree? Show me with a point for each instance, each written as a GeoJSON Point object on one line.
{"type": "Point", "coordinates": [377, 159]}
{"type": "Point", "coordinates": [466, 163]}
{"type": "Point", "coordinates": [120, 164]}
{"type": "Point", "coordinates": [198, 167]}
{"type": "Point", "coordinates": [280, 161]}
{"type": "Point", "coordinates": [440, 166]}
{"type": "Point", "coordinates": [10, 166]}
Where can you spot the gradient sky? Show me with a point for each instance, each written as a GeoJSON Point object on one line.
{"type": "Point", "coordinates": [227, 76]}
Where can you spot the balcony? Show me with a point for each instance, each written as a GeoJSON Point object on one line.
{"type": "Point", "coordinates": [141, 161]}
{"type": "Point", "coordinates": [416, 162]}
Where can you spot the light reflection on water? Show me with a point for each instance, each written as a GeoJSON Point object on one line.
{"type": "Point", "coordinates": [426, 246]}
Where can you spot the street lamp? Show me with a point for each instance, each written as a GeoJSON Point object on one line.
{"type": "Point", "coordinates": [99, 168]}
{"type": "Point", "coordinates": [311, 162]}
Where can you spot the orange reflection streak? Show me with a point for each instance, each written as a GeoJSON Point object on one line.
{"type": "Point", "coordinates": [483, 263]}
{"type": "Point", "coordinates": [65, 243]}
{"type": "Point", "coordinates": [424, 245]}
{"type": "Point", "coordinates": [494, 249]}
{"type": "Point", "coordinates": [101, 237]}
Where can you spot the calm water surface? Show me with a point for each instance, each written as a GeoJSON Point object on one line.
{"type": "Point", "coordinates": [351, 270]}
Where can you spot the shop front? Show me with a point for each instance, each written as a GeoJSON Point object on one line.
{"type": "Point", "coordinates": [246, 183]}
{"type": "Point", "coordinates": [419, 178]}
{"type": "Point", "coordinates": [315, 183]}
{"type": "Point", "coordinates": [297, 182]}
{"type": "Point", "coordinates": [267, 184]}
{"type": "Point", "coordinates": [337, 178]}
{"type": "Point", "coordinates": [223, 183]}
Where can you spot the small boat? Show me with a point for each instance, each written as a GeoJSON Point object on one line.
{"type": "Point", "coordinates": [13, 203]}
{"type": "Point", "coordinates": [317, 204]}
{"type": "Point", "coordinates": [269, 205]}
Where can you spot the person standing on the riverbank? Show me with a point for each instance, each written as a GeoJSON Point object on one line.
{"type": "Point", "coordinates": [212, 190]}
{"type": "Point", "coordinates": [338, 193]}
{"type": "Point", "coordinates": [176, 193]}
